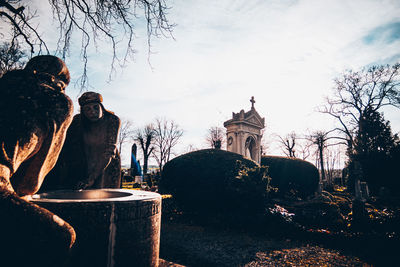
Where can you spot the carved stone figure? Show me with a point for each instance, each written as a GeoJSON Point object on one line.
{"type": "Point", "coordinates": [34, 117]}
{"type": "Point", "coordinates": [89, 159]}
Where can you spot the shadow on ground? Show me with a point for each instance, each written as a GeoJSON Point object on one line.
{"type": "Point", "coordinates": [313, 240]}
{"type": "Point", "coordinates": [192, 245]}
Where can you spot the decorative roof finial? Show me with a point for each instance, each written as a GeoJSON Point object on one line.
{"type": "Point", "coordinates": [252, 102]}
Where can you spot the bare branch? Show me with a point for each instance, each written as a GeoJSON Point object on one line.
{"type": "Point", "coordinates": [357, 92]}
{"type": "Point", "coordinates": [145, 137]}
{"type": "Point", "coordinates": [96, 20]}
{"type": "Point", "coordinates": [215, 137]}
{"type": "Point", "coordinates": [167, 135]}
{"type": "Point", "coordinates": [11, 57]}
{"type": "Point", "coordinates": [288, 144]}
{"type": "Point", "coordinates": [126, 133]}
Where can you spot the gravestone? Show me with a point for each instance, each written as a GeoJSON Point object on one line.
{"type": "Point", "coordinates": [361, 190]}
{"type": "Point", "coordinates": [135, 164]}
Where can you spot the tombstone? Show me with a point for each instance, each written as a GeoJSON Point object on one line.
{"type": "Point", "coordinates": [320, 188]}
{"type": "Point", "coordinates": [364, 190]}
{"type": "Point", "coordinates": [361, 190]}
{"type": "Point", "coordinates": [357, 189]}
{"type": "Point", "coordinates": [89, 158]}
{"type": "Point", "coordinates": [135, 166]}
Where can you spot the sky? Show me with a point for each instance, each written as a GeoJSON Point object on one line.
{"type": "Point", "coordinates": [285, 53]}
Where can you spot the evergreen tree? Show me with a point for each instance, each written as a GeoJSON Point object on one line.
{"type": "Point", "coordinates": [374, 134]}
{"type": "Point", "coordinates": [374, 146]}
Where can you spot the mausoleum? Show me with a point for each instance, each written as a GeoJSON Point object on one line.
{"type": "Point", "coordinates": [243, 133]}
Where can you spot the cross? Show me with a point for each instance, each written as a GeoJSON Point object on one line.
{"type": "Point", "coordinates": [252, 101]}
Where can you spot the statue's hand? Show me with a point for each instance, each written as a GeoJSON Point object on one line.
{"type": "Point", "coordinates": [110, 151]}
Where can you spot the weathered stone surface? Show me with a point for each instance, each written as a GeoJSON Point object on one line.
{"type": "Point", "coordinates": [112, 230]}
{"type": "Point", "coordinates": [34, 117]}
{"type": "Point", "coordinates": [89, 159]}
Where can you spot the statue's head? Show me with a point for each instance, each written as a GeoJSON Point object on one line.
{"type": "Point", "coordinates": [50, 70]}
{"type": "Point", "coordinates": [91, 106]}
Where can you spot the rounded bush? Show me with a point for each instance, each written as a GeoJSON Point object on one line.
{"type": "Point", "coordinates": [201, 181]}
{"type": "Point", "coordinates": [291, 174]}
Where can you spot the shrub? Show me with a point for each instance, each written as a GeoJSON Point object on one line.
{"type": "Point", "coordinates": [247, 193]}
{"type": "Point", "coordinates": [136, 185]}
{"type": "Point", "coordinates": [208, 181]}
{"type": "Point", "coordinates": [291, 175]}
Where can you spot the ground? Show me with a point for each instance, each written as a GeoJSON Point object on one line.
{"type": "Point", "coordinates": [330, 234]}
{"type": "Point", "coordinates": [190, 245]}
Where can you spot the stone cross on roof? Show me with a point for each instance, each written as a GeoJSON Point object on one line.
{"type": "Point", "coordinates": [252, 101]}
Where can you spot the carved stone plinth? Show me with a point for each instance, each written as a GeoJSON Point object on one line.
{"type": "Point", "coordinates": [114, 227]}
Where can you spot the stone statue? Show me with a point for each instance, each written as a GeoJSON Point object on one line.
{"type": "Point", "coordinates": [89, 159]}
{"type": "Point", "coordinates": [34, 117]}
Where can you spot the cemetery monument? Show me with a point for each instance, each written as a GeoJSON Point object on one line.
{"type": "Point", "coordinates": [243, 133]}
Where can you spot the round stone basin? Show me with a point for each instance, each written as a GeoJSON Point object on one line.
{"type": "Point", "coordinates": [102, 195]}
{"type": "Point", "coordinates": [114, 227]}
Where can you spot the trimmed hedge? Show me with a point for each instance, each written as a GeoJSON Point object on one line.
{"type": "Point", "coordinates": [291, 174]}
{"type": "Point", "coordinates": [202, 181]}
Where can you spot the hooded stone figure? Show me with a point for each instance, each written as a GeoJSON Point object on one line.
{"type": "Point", "coordinates": [89, 159]}
{"type": "Point", "coordinates": [34, 117]}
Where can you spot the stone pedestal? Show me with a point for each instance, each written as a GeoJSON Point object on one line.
{"type": "Point", "coordinates": [114, 227]}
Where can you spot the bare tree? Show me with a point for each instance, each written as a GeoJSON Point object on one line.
{"type": "Point", "coordinates": [95, 19]}
{"type": "Point", "coordinates": [288, 144]}
{"type": "Point", "coordinates": [265, 143]}
{"type": "Point", "coordinates": [190, 148]}
{"type": "Point", "coordinates": [125, 133]}
{"type": "Point", "coordinates": [332, 159]}
{"type": "Point", "coordinates": [20, 28]}
{"type": "Point", "coordinates": [145, 137]}
{"type": "Point", "coordinates": [167, 135]}
{"type": "Point", "coordinates": [303, 150]}
{"type": "Point", "coordinates": [11, 57]}
{"type": "Point", "coordinates": [216, 137]}
{"type": "Point", "coordinates": [356, 93]}
{"type": "Point", "coordinates": [320, 139]}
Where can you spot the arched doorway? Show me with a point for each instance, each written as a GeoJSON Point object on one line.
{"type": "Point", "coordinates": [251, 148]}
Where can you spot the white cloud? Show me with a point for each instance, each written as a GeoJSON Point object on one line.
{"type": "Point", "coordinates": [285, 53]}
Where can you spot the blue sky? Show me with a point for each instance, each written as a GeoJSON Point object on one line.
{"type": "Point", "coordinates": [284, 53]}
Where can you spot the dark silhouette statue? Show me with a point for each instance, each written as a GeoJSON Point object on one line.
{"type": "Point", "coordinates": [34, 117]}
{"type": "Point", "coordinates": [89, 158]}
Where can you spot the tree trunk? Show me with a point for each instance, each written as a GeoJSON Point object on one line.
{"type": "Point", "coordinates": [145, 160]}
{"type": "Point", "coordinates": [321, 159]}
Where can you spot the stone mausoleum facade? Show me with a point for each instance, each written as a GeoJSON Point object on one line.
{"type": "Point", "coordinates": [243, 133]}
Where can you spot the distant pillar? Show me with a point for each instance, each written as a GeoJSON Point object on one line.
{"type": "Point", "coordinates": [135, 166]}
{"type": "Point", "coordinates": [133, 156]}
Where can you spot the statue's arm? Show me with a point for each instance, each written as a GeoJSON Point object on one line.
{"type": "Point", "coordinates": [112, 138]}
{"type": "Point", "coordinates": [28, 230]}
{"type": "Point", "coordinates": [35, 166]}
{"type": "Point", "coordinates": [110, 149]}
